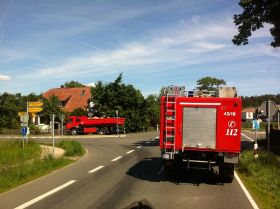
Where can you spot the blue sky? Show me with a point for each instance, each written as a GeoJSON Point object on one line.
{"type": "Point", "coordinates": [44, 44]}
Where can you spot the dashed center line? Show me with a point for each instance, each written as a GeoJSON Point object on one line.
{"type": "Point", "coordinates": [96, 169]}
{"type": "Point", "coordinates": [31, 202]}
{"type": "Point", "coordinates": [138, 147]}
{"type": "Point", "coordinates": [117, 158]}
{"type": "Point", "coordinates": [130, 151]}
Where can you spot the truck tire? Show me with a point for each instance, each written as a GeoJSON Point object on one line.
{"type": "Point", "coordinates": [103, 131]}
{"type": "Point", "coordinates": [168, 169]}
{"type": "Point", "coordinates": [74, 131]}
{"type": "Point", "coordinates": [226, 171]}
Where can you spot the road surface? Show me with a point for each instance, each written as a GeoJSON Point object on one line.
{"type": "Point", "coordinates": [116, 172]}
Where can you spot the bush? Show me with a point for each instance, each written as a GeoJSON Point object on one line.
{"type": "Point", "coordinates": [34, 129]}
{"type": "Point", "coordinates": [72, 148]}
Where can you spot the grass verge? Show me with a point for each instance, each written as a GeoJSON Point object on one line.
{"type": "Point", "coordinates": [72, 148]}
{"type": "Point", "coordinates": [261, 177]}
{"type": "Point", "coordinates": [18, 165]}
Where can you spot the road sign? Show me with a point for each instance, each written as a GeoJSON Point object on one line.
{"type": "Point", "coordinates": [35, 109]}
{"type": "Point", "coordinates": [24, 118]}
{"type": "Point", "coordinates": [23, 124]}
{"type": "Point", "coordinates": [272, 107]}
{"type": "Point", "coordinates": [21, 113]}
{"type": "Point", "coordinates": [24, 131]}
{"type": "Point", "coordinates": [256, 124]}
{"type": "Point", "coordinates": [35, 104]}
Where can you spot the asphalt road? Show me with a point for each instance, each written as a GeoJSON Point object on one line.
{"type": "Point", "coordinates": [119, 171]}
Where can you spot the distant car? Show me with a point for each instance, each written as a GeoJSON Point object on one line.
{"type": "Point", "coordinates": [44, 128]}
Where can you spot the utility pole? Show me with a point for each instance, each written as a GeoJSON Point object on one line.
{"type": "Point", "coordinates": [268, 125]}
{"type": "Point", "coordinates": [27, 123]}
{"type": "Point", "coordinates": [53, 133]}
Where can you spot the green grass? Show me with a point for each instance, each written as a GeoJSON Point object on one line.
{"type": "Point", "coordinates": [13, 153]}
{"type": "Point", "coordinates": [18, 165]}
{"type": "Point", "coordinates": [262, 178]}
{"type": "Point", "coordinates": [72, 148]}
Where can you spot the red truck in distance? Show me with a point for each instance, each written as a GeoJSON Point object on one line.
{"type": "Point", "coordinates": [200, 130]}
{"type": "Point", "coordinates": [84, 125]}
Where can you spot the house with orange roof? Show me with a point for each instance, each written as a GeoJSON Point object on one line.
{"type": "Point", "coordinates": [70, 98]}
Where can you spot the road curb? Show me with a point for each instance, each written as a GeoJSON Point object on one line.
{"type": "Point", "coordinates": [65, 137]}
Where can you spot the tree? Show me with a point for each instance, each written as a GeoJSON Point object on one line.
{"type": "Point", "coordinates": [72, 84]}
{"type": "Point", "coordinates": [10, 105]}
{"type": "Point", "coordinates": [52, 106]}
{"type": "Point", "coordinates": [79, 112]}
{"type": "Point", "coordinates": [257, 12]}
{"type": "Point", "coordinates": [129, 102]}
{"type": "Point", "coordinates": [210, 83]}
{"type": "Point", "coordinates": [153, 112]}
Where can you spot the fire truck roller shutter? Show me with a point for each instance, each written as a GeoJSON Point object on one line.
{"type": "Point", "coordinates": [199, 127]}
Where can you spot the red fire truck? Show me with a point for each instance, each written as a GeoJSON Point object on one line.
{"type": "Point", "coordinates": [200, 130]}
{"type": "Point", "coordinates": [81, 125]}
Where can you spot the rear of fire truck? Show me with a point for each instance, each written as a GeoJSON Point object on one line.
{"type": "Point", "coordinates": [200, 130]}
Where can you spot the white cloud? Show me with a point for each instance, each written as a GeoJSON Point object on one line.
{"type": "Point", "coordinates": [192, 42]}
{"type": "Point", "coordinates": [196, 42]}
{"type": "Point", "coordinates": [4, 77]}
{"type": "Point", "coordinates": [91, 84]}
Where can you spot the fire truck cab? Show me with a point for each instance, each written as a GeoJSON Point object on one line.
{"type": "Point", "coordinates": [200, 129]}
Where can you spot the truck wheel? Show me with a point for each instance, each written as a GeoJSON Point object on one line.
{"type": "Point", "coordinates": [168, 171]}
{"type": "Point", "coordinates": [227, 172]}
{"type": "Point", "coordinates": [73, 131]}
{"type": "Point", "coordinates": [102, 131]}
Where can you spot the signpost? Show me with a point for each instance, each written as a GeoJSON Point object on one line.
{"type": "Point", "coordinates": [24, 133]}
{"type": "Point", "coordinates": [52, 118]}
{"type": "Point", "coordinates": [117, 113]}
{"type": "Point", "coordinates": [268, 108]}
{"type": "Point", "coordinates": [256, 126]}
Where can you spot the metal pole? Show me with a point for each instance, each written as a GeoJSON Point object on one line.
{"type": "Point", "coordinates": [117, 123]}
{"type": "Point", "coordinates": [278, 128]}
{"type": "Point", "coordinates": [268, 125]}
{"type": "Point", "coordinates": [27, 122]}
{"type": "Point", "coordinates": [53, 133]}
{"type": "Point", "coordinates": [62, 119]}
{"type": "Point", "coordinates": [23, 142]}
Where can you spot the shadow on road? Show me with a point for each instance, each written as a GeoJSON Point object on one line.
{"type": "Point", "coordinates": [151, 169]}
{"type": "Point", "coordinates": [147, 143]}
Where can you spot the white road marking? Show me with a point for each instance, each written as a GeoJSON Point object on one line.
{"type": "Point", "coordinates": [247, 137]}
{"type": "Point", "coordinates": [138, 147]}
{"type": "Point", "coordinates": [96, 169]}
{"type": "Point", "coordinates": [27, 204]}
{"type": "Point", "coordinates": [160, 170]}
{"type": "Point", "coordinates": [130, 151]}
{"type": "Point", "coordinates": [253, 203]}
{"type": "Point", "coordinates": [147, 142]}
{"type": "Point", "coordinates": [117, 158]}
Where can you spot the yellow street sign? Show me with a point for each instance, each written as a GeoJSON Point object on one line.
{"type": "Point", "coordinates": [35, 109]}
{"type": "Point", "coordinates": [35, 104]}
{"type": "Point", "coordinates": [21, 113]}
